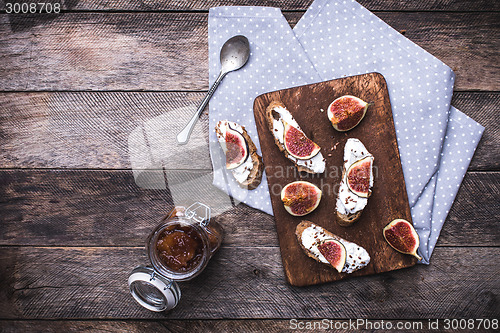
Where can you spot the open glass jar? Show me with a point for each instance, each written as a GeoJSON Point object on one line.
{"type": "Point", "coordinates": [179, 249]}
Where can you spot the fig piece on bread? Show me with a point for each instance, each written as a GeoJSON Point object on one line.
{"type": "Point", "coordinates": [358, 177]}
{"type": "Point", "coordinates": [356, 183]}
{"type": "Point", "coordinates": [292, 141]}
{"type": "Point", "coordinates": [334, 251]}
{"type": "Point", "coordinates": [235, 147]}
{"type": "Point", "coordinates": [298, 144]}
{"type": "Point", "coordinates": [241, 154]}
{"type": "Point", "coordinates": [322, 246]}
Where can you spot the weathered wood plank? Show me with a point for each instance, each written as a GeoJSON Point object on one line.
{"type": "Point", "coordinates": [458, 228]}
{"type": "Point", "coordinates": [134, 5]}
{"type": "Point", "coordinates": [82, 51]}
{"type": "Point", "coordinates": [94, 129]}
{"type": "Point", "coordinates": [227, 325]}
{"type": "Point", "coordinates": [106, 208]}
{"type": "Point", "coordinates": [484, 109]}
{"type": "Point", "coordinates": [90, 207]}
{"type": "Point", "coordinates": [101, 130]}
{"type": "Point", "coordinates": [168, 51]}
{"type": "Point", "coordinates": [91, 283]}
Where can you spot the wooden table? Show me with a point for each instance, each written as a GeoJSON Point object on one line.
{"type": "Point", "coordinates": [73, 223]}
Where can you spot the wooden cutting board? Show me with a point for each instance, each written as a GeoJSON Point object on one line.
{"type": "Point", "coordinates": [308, 104]}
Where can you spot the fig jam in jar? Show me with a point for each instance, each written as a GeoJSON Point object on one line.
{"type": "Point", "coordinates": [181, 246]}
{"type": "Point", "coordinates": [179, 249]}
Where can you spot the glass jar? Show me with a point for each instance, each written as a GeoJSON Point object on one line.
{"type": "Point", "coordinates": [179, 249]}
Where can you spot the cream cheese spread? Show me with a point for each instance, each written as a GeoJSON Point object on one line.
{"type": "Point", "coordinates": [242, 172]}
{"type": "Point", "coordinates": [316, 163]}
{"type": "Point", "coordinates": [347, 201]}
{"type": "Point", "coordinates": [356, 256]}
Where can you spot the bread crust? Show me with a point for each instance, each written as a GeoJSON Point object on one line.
{"type": "Point", "coordinates": [255, 177]}
{"type": "Point", "coordinates": [348, 220]}
{"type": "Point", "coordinates": [304, 224]}
{"type": "Point", "coordinates": [269, 120]}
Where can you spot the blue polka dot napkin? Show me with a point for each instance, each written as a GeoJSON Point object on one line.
{"type": "Point", "coordinates": [341, 38]}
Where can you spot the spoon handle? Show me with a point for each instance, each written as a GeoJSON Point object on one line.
{"type": "Point", "coordinates": [183, 136]}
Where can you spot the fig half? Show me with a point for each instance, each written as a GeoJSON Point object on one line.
{"type": "Point", "coordinates": [236, 149]}
{"type": "Point", "coordinates": [300, 197]}
{"type": "Point", "coordinates": [346, 112]}
{"type": "Point", "coordinates": [298, 144]}
{"type": "Point", "coordinates": [335, 252]}
{"type": "Point", "coordinates": [401, 235]}
{"type": "Point", "coordinates": [358, 177]}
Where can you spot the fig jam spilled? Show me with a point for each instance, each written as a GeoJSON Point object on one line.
{"type": "Point", "coordinates": [180, 248]}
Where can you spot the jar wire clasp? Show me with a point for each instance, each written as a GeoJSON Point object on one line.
{"type": "Point", "coordinates": [152, 277]}
{"type": "Point", "coordinates": [199, 212]}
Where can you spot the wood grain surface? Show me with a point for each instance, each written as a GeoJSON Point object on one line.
{"type": "Point", "coordinates": [168, 51]}
{"type": "Point", "coordinates": [373, 5]}
{"type": "Point", "coordinates": [388, 200]}
{"type": "Point", "coordinates": [98, 130]}
{"type": "Point", "coordinates": [73, 86]}
{"type": "Point", "coordinates": [217, 325]}
{"type": "Point", "coordinates": [62, 282]}
{"type": "Point", "coordinates": [90, 130]}
{"type": "Point", "coordinates": [84, 208]}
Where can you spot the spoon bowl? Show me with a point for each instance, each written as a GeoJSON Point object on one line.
{"type": "Point", "coordinates": [233, 55]}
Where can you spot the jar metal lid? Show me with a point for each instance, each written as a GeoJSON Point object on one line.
{"type": "Point", "coordinates": [152, 290]}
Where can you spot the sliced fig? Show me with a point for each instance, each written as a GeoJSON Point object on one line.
{"type": "Point", "coordinates": [335, 252]}
{"type": "Point", "coordinates": [236, 148]}
{"type": "Point", "coordinates": [298, 144]}
{"type": "Point", "coordinates": [401, 235]}
{"type": "Point", "coordinates": [358, 177]}
{"type": "Point", "coordinates": [300, 197]}
{"type": "Point", "coordinates": [346, 112]}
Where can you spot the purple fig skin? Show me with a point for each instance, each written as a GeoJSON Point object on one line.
{"type": "Point", "coordinates": [402, 237]}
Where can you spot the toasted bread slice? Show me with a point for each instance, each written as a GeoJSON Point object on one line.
{"type": "Point", "coordinates": [310, 235]}
{"type": "Point", "coordinates": [349, 205]}
{"type": "Point", "coordinates": [313, 165]}
{"type": "Point", "coordinates": [255, 177]}
{"type": "Point", "coordinates": [253, 162]}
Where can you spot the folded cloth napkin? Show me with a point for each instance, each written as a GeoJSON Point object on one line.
{"type": "Point", "coordinates": [341, 38]}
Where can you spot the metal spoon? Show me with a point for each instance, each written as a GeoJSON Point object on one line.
{"type": "Point", "coordinates": [233, 55]}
